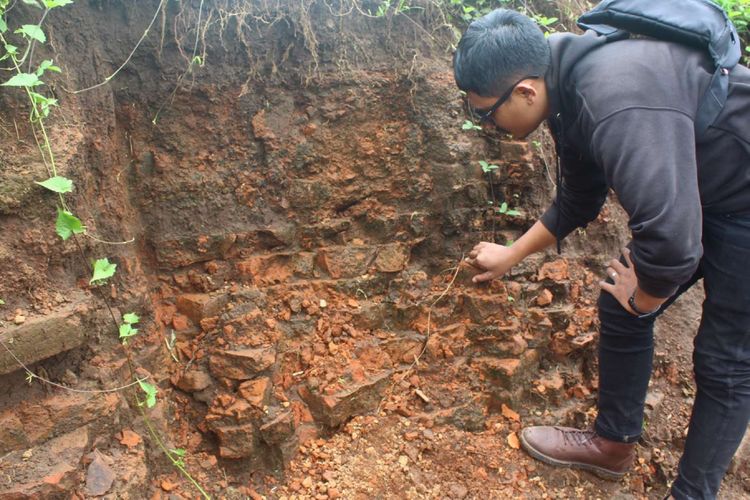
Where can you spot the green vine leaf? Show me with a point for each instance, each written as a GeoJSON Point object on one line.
{"type": "Point", "coordinates": [51, 4]}
{"type": "Point", "coordinates": [150, 391]}
{"type": "Point", "coordinates": [44, 103]}
{"type": "Point", "coordinates": [68, 224]}
{"type": "Point", "coordinates": [32, 31]}
{"type": "Point", "coordinates": [3, 26]}
{"type": "Point", "coordinates": [103, 269]}
{"type": "Point", "coordinates": [504, 209]}
{"type": "Point", "coordinates": [23, 80]}
{"type": "Point", "coordinates": [470, 125]}
{"type": "Point", "coordinates": [34, 3]}
{"type": "Point", "coordinates": [486, 167]}
{"type": "Point", "coordinates": [47, 65]}
{"type": "Point", "coordinates": [58, 184]}
{"type": "Point", "coordinates": [126, 331]}
{"type": "Point", "coordinates": [180, 453]}
{"type": "Point", "coordinates": [131, 318]}
{"type": "Point", "coordinates": [38, 98]}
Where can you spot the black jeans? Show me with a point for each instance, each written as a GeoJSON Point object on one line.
{"type": "Point", "coordinates": [721, 358]}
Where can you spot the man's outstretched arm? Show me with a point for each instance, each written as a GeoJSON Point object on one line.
{"type": "Point", "coordinates": [495, 260]}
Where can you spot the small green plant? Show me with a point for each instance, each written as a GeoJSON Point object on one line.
{"type": "Point", "coordinates": [468, 10]}
{"type": "Point", "coordinates": [103, 270]}
{"type": "Point", "coordinates": [545, 23]}
{"type": "Point", "coordinates": [739, 12]}
{"type": "Point", "coordinates": [126, 328]}
{"type": "Point", "coordinates": [470, 125]}
{"type": "Point", "coordinates": [503, 209]}
{"type": "Point", "coordinates": [486, 167]}
{"type": "Point", "coordinates": [180, 454]}
{"type": "Point", "coordinates": [66, 223]}
{"type": "Point", "coordinates": [57, 184]}
{"type": "Point", "coordinates": [385, 6]}
{"type": "Point", "coordinates": [150, 392]}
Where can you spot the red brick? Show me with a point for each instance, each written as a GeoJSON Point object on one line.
{"type": "Point", "coordinates": [242, 364]}
{"type": "Point", "coordinates": [255, 391]}
{"type": "Point", "coordinates": [198, 306]}
{"type": "Point", "coordinates": [544, 298]}
{"type": "Point", "coordinates": [392, 258]}
{"type": "Point", "coordinates": [180, 322]}
{"type": "Point", "coordinates": [194, 381]}
{"type": "Point", "coordinates": [345, 262]}
{"type": "Point", "coordinates": [556, 270]}
{"type": "Point", "coordinates": [334, 409]}
{"type": "Point", "coordinates": [264, 270]}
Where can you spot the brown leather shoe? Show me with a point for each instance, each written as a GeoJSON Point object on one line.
{"type": "Point", "coordinates": [563, 446]}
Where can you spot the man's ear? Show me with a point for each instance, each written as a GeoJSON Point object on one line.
{"type": "Point", "coordinates": [526, 91]}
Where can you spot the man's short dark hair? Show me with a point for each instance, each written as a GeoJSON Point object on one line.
{"type": "Point", "coordinates": [497, 50]}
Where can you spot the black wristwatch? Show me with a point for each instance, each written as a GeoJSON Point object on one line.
{"type": "Point", "coordinates": [640, 314]}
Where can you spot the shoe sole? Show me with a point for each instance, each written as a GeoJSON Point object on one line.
{"type": "Point", "coordinates": [598, 471]}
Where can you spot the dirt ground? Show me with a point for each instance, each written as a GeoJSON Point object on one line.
{"type": "Point", "coordinates": [397, 456]}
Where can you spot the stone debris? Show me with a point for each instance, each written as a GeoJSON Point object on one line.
{"type": "Point", "coordinates": [99, 477]}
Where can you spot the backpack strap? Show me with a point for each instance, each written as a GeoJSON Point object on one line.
{"type": "Point", "coordinates": [696, 23]}
{"type": "Point", "coordinates": [611, 33]}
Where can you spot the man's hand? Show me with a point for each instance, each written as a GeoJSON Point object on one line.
{"type": "Point", "coordinates": [626, 283]}
{"type": "Point", "coordinates": [495, 260]}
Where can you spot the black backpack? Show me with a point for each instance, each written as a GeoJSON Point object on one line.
{"type": "Point", "coordinates": [697, 23]}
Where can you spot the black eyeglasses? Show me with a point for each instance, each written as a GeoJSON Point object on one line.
{"type": "Point", "coordinates": [485, 114]}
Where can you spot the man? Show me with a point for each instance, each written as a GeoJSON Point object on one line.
{"type": "Point", "coordinates": [622, 114]}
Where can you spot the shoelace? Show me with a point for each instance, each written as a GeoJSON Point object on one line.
{"type": "Point", "coordinates": [577, 438]}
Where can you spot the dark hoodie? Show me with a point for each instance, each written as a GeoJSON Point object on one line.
{"type": "Point", "coordinates": [622, 116]}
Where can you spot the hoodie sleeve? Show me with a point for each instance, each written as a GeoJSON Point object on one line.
{"type": "Point", "coordinates": [648, 157]}
{"type": "Point", "coordinates": [579, 199]}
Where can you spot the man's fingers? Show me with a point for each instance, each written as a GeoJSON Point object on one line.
{"type": "Point", "coordinates": [479, 278]}
{"type": "Point", "coordinates": [607, 287]}
{"type": "Point", "coordinates": [611, 273]}
{"type": "Point", "coordinates": [626, 254]}
{"type": "Point", "coordinates": [479, 246]}
{"type": "Point", "coordinates": [473, 263]}
{"type": "Point", "coordinates": [618, 267]}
